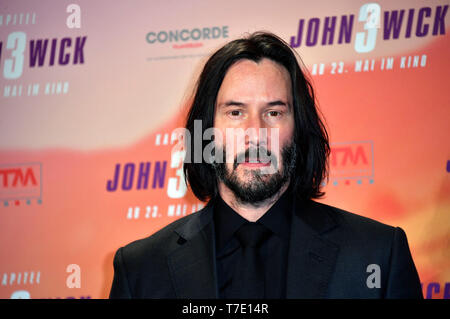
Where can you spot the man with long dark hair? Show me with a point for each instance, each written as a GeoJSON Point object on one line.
{"type": "Point", "coordinates": [262, 235]}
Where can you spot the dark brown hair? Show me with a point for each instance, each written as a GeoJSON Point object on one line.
{"type": "Point", "coordinates": [310, 134]}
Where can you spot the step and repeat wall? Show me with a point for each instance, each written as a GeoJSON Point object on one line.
{"type": "Point", "coordinates": [92, 91]}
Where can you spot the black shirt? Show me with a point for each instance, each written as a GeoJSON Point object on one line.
{"type": "Point", "coordinates": [273, 250]}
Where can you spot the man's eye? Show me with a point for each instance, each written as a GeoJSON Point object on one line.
{"type": "Point", "coordinates": [235, 113]}
{"type": "Point", "coordinates": [274, 113]}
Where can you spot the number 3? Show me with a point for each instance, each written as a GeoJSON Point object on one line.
{"type": "Point", "coordinates": [13, 69]}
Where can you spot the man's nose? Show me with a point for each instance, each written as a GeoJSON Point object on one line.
{"type": "Point", "coordinates": [255, 126]}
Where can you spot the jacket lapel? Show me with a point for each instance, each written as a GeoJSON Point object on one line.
{"type": "Point", "coordinates": [311, 257]}
{"type": "Point", "coordinates": [192, 264]}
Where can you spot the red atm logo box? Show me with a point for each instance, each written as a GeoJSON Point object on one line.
{"type": "Point", "coordinates": [20, 182]}
{"type": "Point", "coordinates": [352, 161]}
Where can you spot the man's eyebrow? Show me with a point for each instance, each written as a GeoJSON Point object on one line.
{"type": "Point", "coordinates": [232, 103]}
{"type": "Point", "coordinates": [278, 102]}
{"type": "Point", "coordinates": [236, 103]}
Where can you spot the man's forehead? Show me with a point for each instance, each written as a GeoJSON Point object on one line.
{"type": "Point", "coordinates": [248, 65]}
{"type": "Point", "coordinates": [247, 79]}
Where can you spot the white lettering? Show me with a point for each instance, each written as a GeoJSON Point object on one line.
{"type": "Point", "coordinates": [74, 19]}
{"type": "Point", "coordinates": [374, 279]}
{"type": "Point", "coordinates": [74, 279]}
{"type": "Point", "coordinates": [365, 41]}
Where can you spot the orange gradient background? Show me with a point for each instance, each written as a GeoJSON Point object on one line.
{"type": "Point", "coordinates": [121, 98]}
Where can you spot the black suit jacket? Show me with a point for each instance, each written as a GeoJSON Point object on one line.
{"type": "Point", "coordinates": [329, 252]}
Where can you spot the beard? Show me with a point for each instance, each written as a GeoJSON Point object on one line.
{"type": "Point", "coordinates": [255, 186]}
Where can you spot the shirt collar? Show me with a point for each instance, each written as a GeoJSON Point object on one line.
{"type": "Point", "coordinates": [227, 221]}
{"type": "Point", "coordinates": [278, 217]}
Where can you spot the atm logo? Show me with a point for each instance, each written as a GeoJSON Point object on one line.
{"type": "Point", "coordinates": [20, 183]}
{"type": "Point", "coordinates": [351, 162]}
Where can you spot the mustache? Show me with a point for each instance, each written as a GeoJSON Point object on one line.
{"type": "Point", "coordinates": [258, 154]}
{"type": "Point", "coordinates": [253, 154]}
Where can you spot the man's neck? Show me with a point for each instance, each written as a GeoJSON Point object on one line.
{"type": "Point", "coordinates": [250, 212]}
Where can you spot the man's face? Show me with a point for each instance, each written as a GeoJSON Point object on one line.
{"type": "Point", "coordinates": [254, 96]}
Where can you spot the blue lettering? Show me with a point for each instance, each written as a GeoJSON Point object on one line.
{"type": "Point", "coordinates": [128, 176]}
{"type": "Point", "coordinates": [196, 37]}
{"type": "Point", "coordinates": [125, 179]}
{"type": "Point", "coordinates": [183, 38]}
{"type": "Point", "coordinates": [439, 20]}
{"type": "Point", "coordinates": [111, 185]}
{"type": "Point", "coordinates": [173, 36]}
{"type": "Point", "coordinates": [159, 174]}
{"type": "Point", "coordinates": [64, 57]}
{"type": "Point", "coordinates": [162, 36]}
{"type": "Point", "coordinates": [313, 32]}
{"type": "Point", "coordinates": [422, 29]}
{"type": "Point", "coordinates": [144, 172]}
{"type": "Point", "coordinates": [447, 291]}
{"type": "Point", "coordinates": [187, 34]}
{"type": "Point", "coordinates": [206, 33]}
{"type": "Point", "coordinates": [215, 32]}
{"type": "Point", "coordinates": [225, 31]}
{"type": "Point", "coordinates": [148, 37]}
{"type": "Point", "coordinates": [432, 287]}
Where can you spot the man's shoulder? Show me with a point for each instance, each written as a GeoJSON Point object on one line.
{"type": "Point", "coordinates": [353, 223]}
{"type": "Point", "coordinates": [354, 234]}
{"type": "Point", "coordinates": [158, 243]}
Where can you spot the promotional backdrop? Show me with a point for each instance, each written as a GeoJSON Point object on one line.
{"type": "Point", "coordinates": [91, 92]}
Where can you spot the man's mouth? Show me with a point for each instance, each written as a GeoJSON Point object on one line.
{"type": "Point", "coordinates": [255, 162]}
